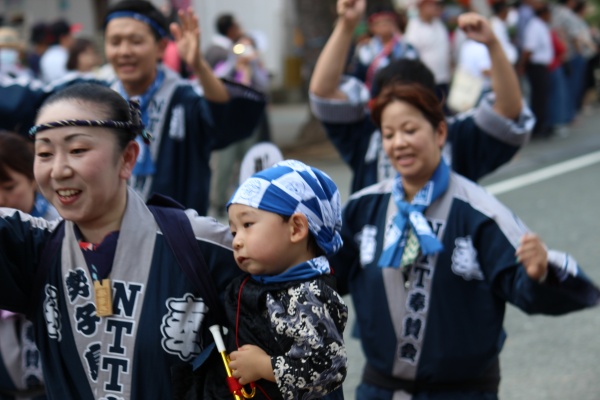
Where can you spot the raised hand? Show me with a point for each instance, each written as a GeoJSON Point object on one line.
{"type": "Point", "coordinates": [351, 10]}
{"type": "Point", "coordinates": [477, 27]}
{"type": "Point", "coordinates": [187, 37]}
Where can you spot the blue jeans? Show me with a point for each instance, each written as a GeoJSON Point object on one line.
{"type": "Point", "coordinates": [558, 101]}
{"type": "Point", "coordinates": [575, 83]}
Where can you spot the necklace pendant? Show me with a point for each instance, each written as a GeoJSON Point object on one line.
{"type": "Point", "coordinates": [103, 291]}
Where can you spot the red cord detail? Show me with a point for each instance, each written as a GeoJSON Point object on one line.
{"type": "Point", "coordinates": [234, 385]}
{"type": "Point", "coordinates": [237, 314]}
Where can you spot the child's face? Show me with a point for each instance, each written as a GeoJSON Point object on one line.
{"type": "Point", "coordinates": [78, 169]}
{"type": "Point", "coordinates": [261, 241]}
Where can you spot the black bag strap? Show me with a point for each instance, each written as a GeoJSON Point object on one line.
{"type": "Point", "coordinates": [177, 230]}
{"type": "Point", "coordinates": [47, 257]}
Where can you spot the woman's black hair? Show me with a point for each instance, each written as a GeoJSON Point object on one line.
{"type": "Point", "coordinates": [109, 104]}
{"type": "Point", "coordinates": [403, 70]}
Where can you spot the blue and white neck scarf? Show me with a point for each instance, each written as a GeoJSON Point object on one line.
{"type": "Point", "coordinates": [144, 166]}
{"type": "Point", "coordinates": [307, 270]}
{"type": "Point", "coordinates": [412, 214]}
{"type": "Point", "coordinates": [290, 187]}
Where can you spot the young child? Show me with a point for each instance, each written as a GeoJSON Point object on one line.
{"type": "Point", "coordinates": [288, 320]}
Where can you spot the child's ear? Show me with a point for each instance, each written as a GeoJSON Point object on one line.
{"type": "Point", "coordinates": [298, 227]}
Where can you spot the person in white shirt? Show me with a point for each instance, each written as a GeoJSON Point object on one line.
{"type": "Point", "coordinates": [474, 57]}
{"type": "Point", "coordinates": [53, 64]}
{"type": "Point", "coordinates": [11, 54]}
{"type": "Point", "coordinates": [385, 45]}
{"type": "Point", "coordinates": [537, 55]}
{"type": "Point", "coordinates": [229, 32]}
{"type": "Point", "coordinates": [498, 21]}
{"type": "Point", "coordinates": [428, 34]}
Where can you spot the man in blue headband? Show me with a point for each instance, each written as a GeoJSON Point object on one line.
{"type": "Point", "coordinates": [187, 120]}
{"type": "Point", "coordinates": [186, 125]}
{"type": "Point", "coordinates": [288, 319]}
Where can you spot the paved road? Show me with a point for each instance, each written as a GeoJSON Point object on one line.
{"type": "Point", "coordinates": [545, 358]}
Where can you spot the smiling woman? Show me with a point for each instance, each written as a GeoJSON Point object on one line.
{"type": "Point", "coordinates": [137, 345]}
{"type": "Point", "coordinates": [431, 259]}
{"type": "Point", "coordinates": [413, 131]}
{"type": "Point", "coordinates": [83, 170]}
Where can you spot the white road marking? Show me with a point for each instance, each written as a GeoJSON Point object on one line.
{"type": "Point", "coordinates": [544, 173]}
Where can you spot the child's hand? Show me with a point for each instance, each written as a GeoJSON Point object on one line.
{"type": "Point", "coordinates": [533, 255]}
{"type": "Point", "coordinates": [250, 363]}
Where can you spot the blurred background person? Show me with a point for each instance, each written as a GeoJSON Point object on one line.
{"type": "Point", "coordinates": [474, 58]}
{"type": "Point", "coordinates": [53, 64]}
{"type": "Point", "coordinates": [18, 188]}
{"type": "Point", "coordinates": [229, 31]}
{"type": "Point", "coordinates": [83, 56]}
{"type": "Point", "coordinates": [20, 364]}
{"type": "Point", "coordinates": [12, 50]}
{"type": "Point", "coordinates": [244, 66]}
{"type": "Point", "coordinates": [558, 102]}
{"type": "Point", "coordinates": [587, 49]}
{"type": "Point", "coordinates": [39, 40]}
{"type": "Point", "coordinates": [429, 35]}
{"type": "Point", "coordinates": [536, 57]}
{"type": "Point", "coordinates": [568, 27]}
{"type": "Point", "coordinates": [385, 45]}
{"type": "Point", "coordinates": [500, 25]}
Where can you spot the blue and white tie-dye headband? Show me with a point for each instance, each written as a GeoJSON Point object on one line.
{"type": "Point", "coordinates": [290, 187]}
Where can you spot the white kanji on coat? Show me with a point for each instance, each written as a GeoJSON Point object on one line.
{"type": "Point", "coordinates": [464, 259]}
{"type": "Point", "coordinates": [181, 325]}
{"type": "Point", "coordinates": [52, 313]}
{"type": "Point", "coordinates": [368, 244]}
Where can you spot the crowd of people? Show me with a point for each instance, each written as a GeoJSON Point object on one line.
{"type": "Point", "coordinates": [54, 50]}
{"type": "Point", "coordinates": [115, 283]}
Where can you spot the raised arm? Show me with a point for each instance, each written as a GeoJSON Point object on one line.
{"type": "Point", "coordinates": [332, 60]}
{"type": "Point", "coordinates": [187, 37]}
{"type": "Point", "coordinates": [505, 83]}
